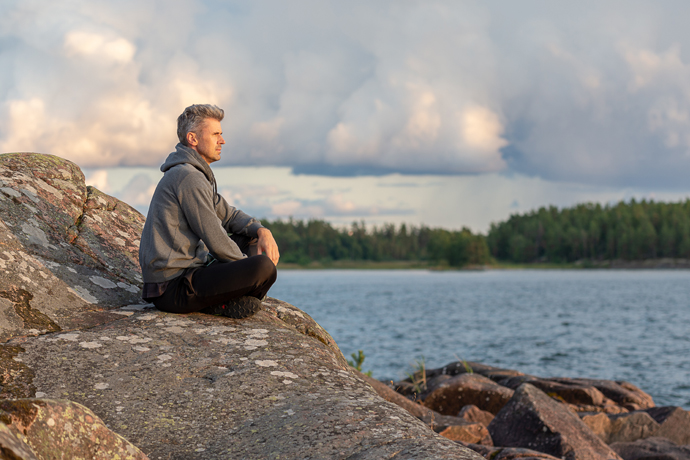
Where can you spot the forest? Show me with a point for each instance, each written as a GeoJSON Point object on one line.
{"type": "Point", "coordinates": [303, 242]}
{"type": "Point", "coordinates": [628, 230]}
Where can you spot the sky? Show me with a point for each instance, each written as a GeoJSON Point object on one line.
{"type": "Point", "coordinates": [444, 113]}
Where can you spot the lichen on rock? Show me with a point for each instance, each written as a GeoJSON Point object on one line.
{"type": "Point", "coordinates": [177, 386]}
{"type": "Point", "coordinates": [58, 236]}
{"type": "Point", "coordinates": [48, 427]}
{"type": "Point", "coordinates": [160, 379]}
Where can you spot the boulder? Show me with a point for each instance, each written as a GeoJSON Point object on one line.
{"type": "Point", "coordinates": [653, 448]}
{"type": "Point", "coordinates": [622, 428]}
{"type": "Point", "coordinates": [623, 393]}
{"type": "Point", "coordinates": [508, 453]}
{"type": "Point", "coordinates": [432, 384]}
{"type": "Point", "coordinates": [570, 392]}
{"type": "Point", "coordinates": [472, 413]}
{"type": "Point", "coordinates": [452, 395]}
{"type": "Point", "coordinates": [533, 420]}
{"type": "Point", "coordinates": [253, 388]}
{"type": "Point", "coordinates": [177, 386]}
{"type": "Point", "coordinates": [428, 380]}
{"type": "Point", "coordinates": [474, 433]}
{"type": "Point", "coordinates": [69, 252]}
{"type": "Point", "coordinates": [583, 395]}
{"type": "Point", "coordinates": [497, 374]}
{"type": "Point", "coordinates": [407, 389]}
{"type": "Point", "coordinates": [674, 423]}
{"type": "Point", "coordinates": [631, 427]}
{"type": "Point", "coordinates": [42, 427]}
{"type": "Point", "coordinates": [12, 447]}
{"type": "Point", "coordinates": [599, 424]}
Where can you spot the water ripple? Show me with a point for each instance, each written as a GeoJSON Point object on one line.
{"type": "Point", "coordinates": [611, 324]}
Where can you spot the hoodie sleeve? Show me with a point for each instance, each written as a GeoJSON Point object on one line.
{"type": "Point", "coordinates": [236, 221]}
{"type": "Point", "coordinates": [196, 203]}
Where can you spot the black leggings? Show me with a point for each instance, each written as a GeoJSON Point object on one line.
{"type": "Point", "coordinates": [215, 284]}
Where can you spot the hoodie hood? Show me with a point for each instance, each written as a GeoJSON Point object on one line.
{"type": "Point", "coordinates": [186, 155]}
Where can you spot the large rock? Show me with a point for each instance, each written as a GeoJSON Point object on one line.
{"type": "Point", "coordinates": [12, 447]}
{"type": "Point", "coordinates": [621, 428]}
{"type": "Point", "coordinates": [472, 413]}
{"type": "Point", "coordinates": [533, 420]}
{"type": "Point", "coordinates": [464, 389]}
{"type": "Point", "coordinates": [68, 251]}
{"type": "Point", "coordinates": [582, 395]}
{"type": "Point", "coordinates": [474, 433]}
{"type": "Point", "coordinates": [199, 386]}
{"type": "Point", "coordinates": [40, 428]}
{"type": "Point", "coordinates": [588, 395]}
{"type": "Point", "coordinates": [497, 374]}
{"type": "Point", "coordinates": [623, 393]}
{"type": "Point", "coordinates": [508, 453]}
{"type": "Point", "coordinates": [177, 386]}
{"type": "Point", "coordinates": [668, 422]}
{"type": "Point", "coordinates": [652, 449]}
{"type": "Point", "coordinates": [674, 423]}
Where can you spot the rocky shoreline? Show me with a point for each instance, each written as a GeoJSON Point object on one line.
{"type": "Point", "coordinates": [503, 413]}
{"type": "Point", "coordinates": [89, 372]}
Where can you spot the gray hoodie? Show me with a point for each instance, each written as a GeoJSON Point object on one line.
{"type": "Point", "coordinates": [187, 219]}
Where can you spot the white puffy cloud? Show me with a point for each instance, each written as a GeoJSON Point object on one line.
{"type": "Point", "coordinates": [567, 92]}
{"type": "Point", "coordinates": [97, 46]}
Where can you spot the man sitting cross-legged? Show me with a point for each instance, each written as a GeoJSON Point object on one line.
{"type": "Point", "coordinates": [197, 252]}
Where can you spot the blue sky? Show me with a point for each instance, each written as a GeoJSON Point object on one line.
{"type": "Point", "coordinates": [448, 113]}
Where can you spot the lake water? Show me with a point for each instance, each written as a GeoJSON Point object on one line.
{"type": "Point", "coordinates": [611, 324]}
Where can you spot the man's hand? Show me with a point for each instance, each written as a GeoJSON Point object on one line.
{"type": "Point", "coordinates": [267, 245]}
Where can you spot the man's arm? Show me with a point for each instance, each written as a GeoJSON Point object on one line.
{"type": "Point", "coordinates": [267, 245]}
{"type": "Point", "coordinates": [236, 221]}
{"type": "Point", "coordinates": [196, 201]}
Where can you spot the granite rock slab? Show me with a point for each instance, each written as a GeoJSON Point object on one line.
{"type": "Point", "coordinates": [68, 252]}
{"type": "Point", "coordinates": [204, 387]}
{"type": "Point", "coordinates": [197, 386]}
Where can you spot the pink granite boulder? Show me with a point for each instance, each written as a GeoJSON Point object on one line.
{"type": "Point", "coordinates": [533, 420]}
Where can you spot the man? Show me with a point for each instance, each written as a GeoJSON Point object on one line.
{"type": "Point", "coordinates": [188, 259]}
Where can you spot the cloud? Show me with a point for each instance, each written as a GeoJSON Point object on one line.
{"type": "Point", "coordinates": [98, 179]}
{"type": "Point", "coordinates": [331, 208]}
{"type": "Point", "coordinates": [139, 191]}
{"type": "Point", "coordinates": [134, 186]}
{"type": "Point", "coordinates": [573, 93]}
{"type": "Point", "coordinates": [93, 45]}
{"type": "Point", "coordinates": [270, 201]}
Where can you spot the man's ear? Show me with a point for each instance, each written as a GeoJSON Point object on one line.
{"type": "Point", "coordinates": [191, 139]}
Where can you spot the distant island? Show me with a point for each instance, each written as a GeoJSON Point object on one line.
{"type": "Point", "coordinates": [628, 234]}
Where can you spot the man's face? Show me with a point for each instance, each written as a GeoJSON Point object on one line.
{"type": "Point", "coordinates": [209, 141]}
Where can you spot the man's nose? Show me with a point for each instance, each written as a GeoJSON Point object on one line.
{"type": "Point", "coordinates": [221, 141]}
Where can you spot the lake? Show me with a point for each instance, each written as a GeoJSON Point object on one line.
{"type": "Point", "coordinates": [629, 325]}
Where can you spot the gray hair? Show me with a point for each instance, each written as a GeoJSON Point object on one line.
{"type": "Point", "coordinates": [193, 116]}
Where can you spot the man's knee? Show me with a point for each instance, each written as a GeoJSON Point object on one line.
{"type": "Point", "coordinates": [265, 268]}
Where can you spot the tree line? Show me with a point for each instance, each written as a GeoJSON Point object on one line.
{"type": "Point", "coordinates": [636, 230]}
{"type": "Point", "coordinates": [302, 242]}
